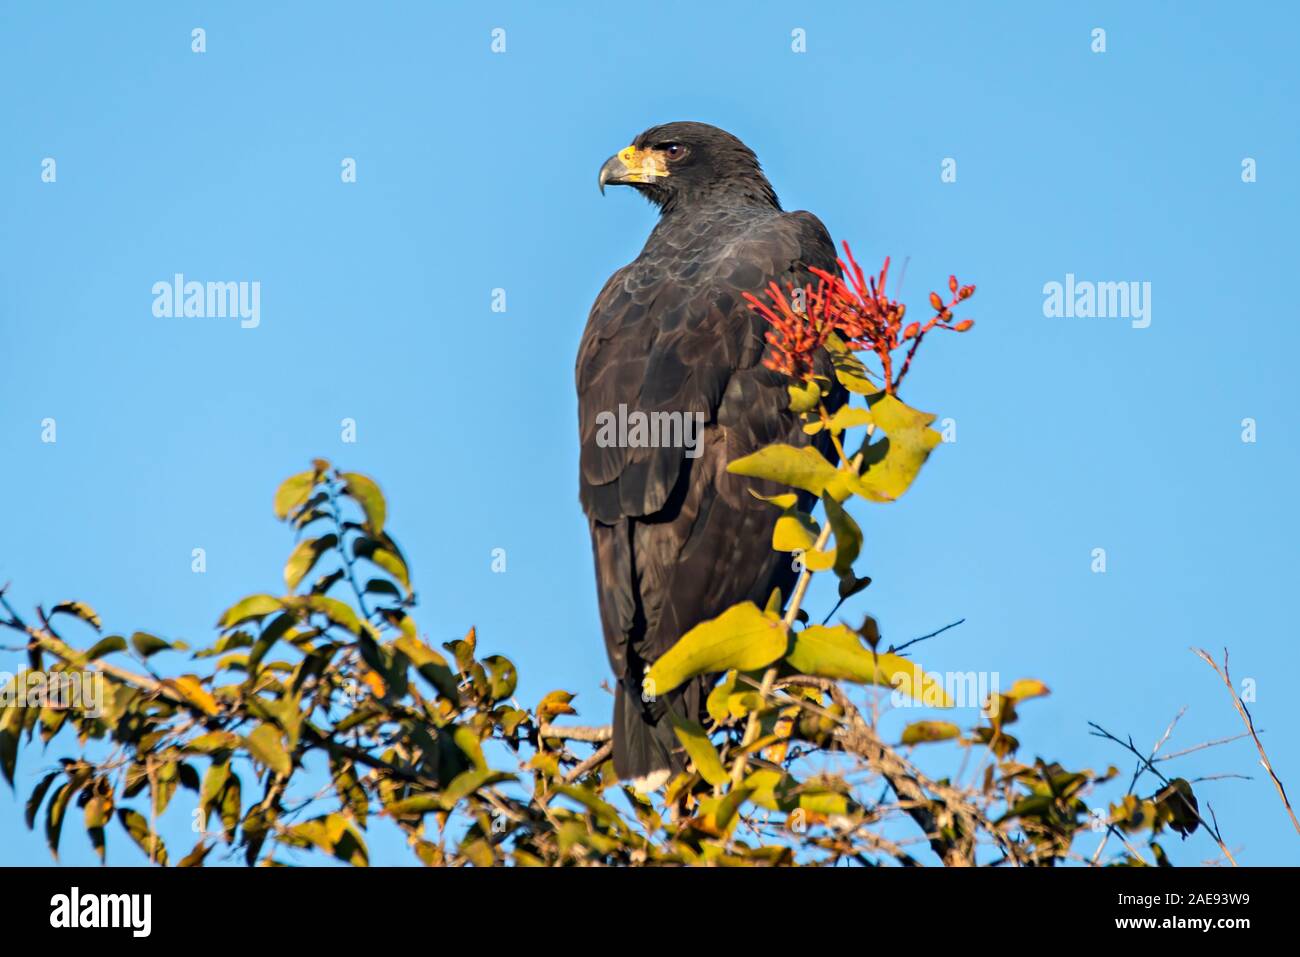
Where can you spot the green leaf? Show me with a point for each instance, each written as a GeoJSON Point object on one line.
{"type": "Point", "coordinates": [837, 652]}
{"type": "Point", "coordinates": [848, 536]}
{"type": "Point", "coordinates": [367, 494]}
{"type": "Point", "coordinates": [266, 745]}
{"type": "Point", "coordinates": [305, 556]}
{"type": "Point", "coordinates": [106, 646]}
{"type": "Point", "coordinates": [504, 676]}
{"type": "Point", "coordinates": [467, 740]}
{"type": "Point", "coordinates": [54, 817]}
{"type": "Point", "coordinates": [725, 811]}
{"type": "Point", "coordinates": [893, 463]}
{"type": "Point", "coordinates": [99, 809]}
{"type": "Point", "coordinates": [385, 558]}
{"type": "Point", "coordinates": [382, 586]}
{"type": "Point", "coordinates": [213, 741]}
{"type": "Point", "coordinates": [214, 785]}
{"type": "Point", "coordinates": [38, 795]}
{"type": "Point", "coordinates": [293, 492]}
{"type": "Point", "coordinates": [280, 627]}
{"type": "Point", "coordinates": [333, 609]}
{"type": "Point", "coordinates": [763, 786]}
{"type": "Point", "coordinates": [924, 732]}
{"type": "Point", "coordinates": [333, 834]}
{"type": "Point", "coordinates": [470, 781]}
{"type": "Point", "coordinates": [742, 637]}
{"type": "Point", "coordinates": [195, 857]}
{"type": "Point", "coordinates": [78, 609]}
{"type": "Point", "coordinates": [850, 585]}
{"type": "Point", "coordinates": [415, 806]}
{"type": "Point", "coordinates": [347, 785]}
{"type": "Point", "coordinates": [603, 810]}
{"type": "Point", "coordinates": [252, 608]}
{"type": "Point", "coordinates": [137, 827]}
{"type": "Point", "coordinates": [146, 644]}
{"type": "Point", "coordinates": [700, 748]}
{"type": "Point", "coordinates": [231, 806]}
{"type": "Point", "coordinates": [12, 719]}
{"type": "Point", "coordinates": [823, 801]}
{"type": "Point", "coordinates": [432, 666]}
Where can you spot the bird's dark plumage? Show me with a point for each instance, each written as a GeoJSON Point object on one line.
{"type": "Point", "coordinates": [677, 539]}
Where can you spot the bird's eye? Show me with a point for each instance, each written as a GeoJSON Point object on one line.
{"type": "Point", "coordinates": [673, 150]}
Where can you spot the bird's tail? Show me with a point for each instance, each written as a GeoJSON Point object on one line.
{"type": "Point", "coordinates": [646, 749]}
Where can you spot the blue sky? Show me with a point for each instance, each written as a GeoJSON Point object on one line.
{"type": "Point", "coordinates": [477, 171]}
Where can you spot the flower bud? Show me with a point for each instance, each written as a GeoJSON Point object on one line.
{"type": "Point", "coordinates": [964, 325]}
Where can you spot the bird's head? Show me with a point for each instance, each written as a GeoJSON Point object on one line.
{"type": "Point", "coordinates": [681, 164]}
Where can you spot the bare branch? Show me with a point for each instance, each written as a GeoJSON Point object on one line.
{"type": "Point", "coordinates": [1250, 726]}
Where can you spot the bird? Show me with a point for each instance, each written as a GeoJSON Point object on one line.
{"type": "Point", "coordinates": [676, 539]}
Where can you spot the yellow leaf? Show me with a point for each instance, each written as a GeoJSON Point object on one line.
{"type": "Point", "coordinates": [742, 637]}
{"type": "Point", "coordinates": [795, 531]}
{"type": "Point", "coordinates": [293, 491]}
{"type": "Point", "coordinates": [266, 745]}
{"type": "Point", "coordinates": [837, 652]}
{"type": "Point", "coordinates": [78, 608]}
{"type": "Point", "coordinates": [892, 464]}
{"type": "Point", "coordinates": [249, 609]}
{"type": "Point", "coordinates": [819, 560]}
{"type": "Point", "coordinates": [783, 501]}
{"type": "Point", "coordinates": [700, 748]}
{"type": "Point", "coordinates": [804, 468]}
{"type": "Point", "coordinates": [848, 536]}
{"type": "Point", "coordinates": [717, 701]}
{"type": "Point", "coordinates": [191, 690]}
{"type": "Point", "coordinates": [849, 370]}
{"type": "Point", "coordinates": [305, 556]}
{"type": "Point", "coordinates": [922, 732]}
{"type": "Point", "coordinates": [367, 494]}
{"type": "Point", "coordinates": [804, 398]}
{"type": "Point", "coordinates": [848, 417]}
{"type": "Point", "coordinates": [1027, 688]}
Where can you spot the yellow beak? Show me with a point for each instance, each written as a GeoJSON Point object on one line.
{"type": "Point", "coordinates": [631, 165]}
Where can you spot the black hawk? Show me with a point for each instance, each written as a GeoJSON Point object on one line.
{"type": "Point", "coordinates": [677, 539]}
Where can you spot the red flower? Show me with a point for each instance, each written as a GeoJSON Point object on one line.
{"type": "Point", "coordinates": [859, 311]}
{"type": "Point", "coordinates": [799, 329]}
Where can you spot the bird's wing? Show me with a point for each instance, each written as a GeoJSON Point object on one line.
{"type": "Point", "coordinates": [676, 538]}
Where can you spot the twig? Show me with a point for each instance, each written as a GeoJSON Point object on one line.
{"type": "Point", "coordinates": [1250, 726]}
{"type": "Point", "coordinates": [600, 754]}
{"type": "Point", "coordinates": [592, 735]}
{"type": "Point", "coordinates": [907, 644]}
{"type": "Point", "coordinates": [1206, 744]}
{"type": "Point", "coordinates": [1212, 830]}
{"type": "Point", "coordinates": [754, 723]}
